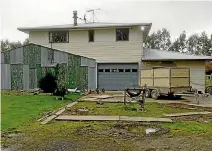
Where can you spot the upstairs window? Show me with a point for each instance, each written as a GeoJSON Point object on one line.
{"type": "Point", "coordinates": [122, 34]}
{"type": "Point", "coordinates": [58, 37]}
{"type": "Point", "coordinates": [91, 35]}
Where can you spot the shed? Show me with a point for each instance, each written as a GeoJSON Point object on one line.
{"type": "Point", "coordinates": [23, 67]}
{"type": "Point", "coordinates": [196, 63]}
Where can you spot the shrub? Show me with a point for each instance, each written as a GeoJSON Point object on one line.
{"type": "Point", "coordinates": [48, 83]}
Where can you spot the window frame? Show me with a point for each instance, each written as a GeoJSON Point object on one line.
{"type": "Point", "coordinates": [53, 32]}
{"type": "Point", "coordinates": [89, 31]}
{"type": "Point", "coordinates": [128, 32]}
{"type": "Point", "coordinates": [107, 71]}
{"type": "Point", "coordinates": [100, 70]}
{"type": "Point", "coordinates": [133, 70]}
{"type": "Point", "coordinates": [120, 70]}
{"type": "Point", "coordinates": [127, 70]}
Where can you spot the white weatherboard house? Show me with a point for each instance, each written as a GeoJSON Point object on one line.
{"type": "Point", "coordinates": [117, 48]}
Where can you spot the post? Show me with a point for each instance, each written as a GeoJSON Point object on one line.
{"type": "Point", "coordinates": [197, 97]}
{"type": "Point", "coordinates": [124, 97]}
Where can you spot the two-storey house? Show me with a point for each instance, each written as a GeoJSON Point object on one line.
{"type": "Point", "coordinates": [117, 47]}
{"type": "Point", "coordinates": [118, 50]}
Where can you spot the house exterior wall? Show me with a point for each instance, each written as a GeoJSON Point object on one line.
{"type": "Point", "coordinates": [5, 76]}
{"type": "Point", "coordinates": [26, 65]}
{"type": "Point", "coordinates": [197, 71]}
{"type": "Point", "coordinates": [104, 49]}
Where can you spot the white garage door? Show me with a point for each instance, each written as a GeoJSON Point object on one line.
{"type": "Point", "coordinates": [117, 76]}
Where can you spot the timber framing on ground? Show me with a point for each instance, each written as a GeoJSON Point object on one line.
{"type": "Point", "coordinates": [55, 114]}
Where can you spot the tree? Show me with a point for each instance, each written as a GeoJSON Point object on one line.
{"type": "Point", "coordinates": [179, 45]}
{"type": "Point", "coordinates": [7, 45]}
{"type": "Point", "coordinates": [199, 44]}
{"type": "Point", "coordinates": [159, 40]}
{"type": "Point", "coordinates": [205, 44]}
{"type": "Point", "coordinates": [193, 44]}
{"type": "Point", "coordinates": [26, 41]}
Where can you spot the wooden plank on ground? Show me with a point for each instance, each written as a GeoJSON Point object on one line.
{"type": "Point", "coordinates": [145, 119]}
{"type": "Point", "coordinates": [48, 119]}
{"type": "Point", "coordinates": [56, 114]}
{"type": "Point", "coordinates": [186, 114]}
{"type": "Point", "coordinates": [111, 118]}
{"type": "Point", "coordinates": [71, 104]}
{"type": "Point", "coordinates": [102, 96]}
{"type": "Point", "coordinates": [87, 118]}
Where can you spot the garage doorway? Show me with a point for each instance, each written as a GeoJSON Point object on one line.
{"type": "Point", "coordinates": [115, 77]}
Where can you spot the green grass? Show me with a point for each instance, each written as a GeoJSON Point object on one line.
{"type": "Point", "coordinates": [151, 109]}
{"type": "Point", "coordinates": [18, 109]}
{"type": "Point", "coordinates": [208, 82]}
{"type": "Point", "coordinates": [21, 112]}
{"type": "Point", "coordinates": [189, 128]}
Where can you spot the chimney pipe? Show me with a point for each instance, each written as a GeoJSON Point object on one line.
{"type": "Point", "coordinates": [75, 18]}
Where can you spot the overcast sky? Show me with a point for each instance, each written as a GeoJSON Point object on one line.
{"type": "Point", "coordinates": [175, 16]}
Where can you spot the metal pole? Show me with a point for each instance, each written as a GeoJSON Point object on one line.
{"type": "Point", "coordinates": [124, 97]}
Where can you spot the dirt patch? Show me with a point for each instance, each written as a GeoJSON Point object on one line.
{"type": "Point", "coordinates": [179, 105]}
{"type": "Point", "coordinates": [130, 131]}
{"type": "Point", "coordinates": [180, 143]}
{"type": "Point", "coordinates": [59, 145]}
{"type": "Point", "coordinates": [197, 118]}
{"type": "Point", "coordinates": [191, 107]}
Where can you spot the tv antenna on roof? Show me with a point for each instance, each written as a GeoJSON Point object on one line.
{"type": "Point", "coordinates": [93, 13]}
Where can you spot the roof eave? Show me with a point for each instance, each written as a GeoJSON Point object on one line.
{"type": "Point", "coordinates": [26, 30]}
{"type": "Point", "coordinates": [147, 32]}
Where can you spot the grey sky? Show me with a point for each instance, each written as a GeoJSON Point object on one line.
{"type": "Point", "coordinates": [175, 16]}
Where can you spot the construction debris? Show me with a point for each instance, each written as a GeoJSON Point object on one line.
{"type": "Point", "coordinates": [82, 111]}
{"type": "Point", "coordinates": [100, 102]}
{"type": "Point", "coordinates": [149, 131]}
{"type": "Point", "coordinates": [102, 96]}
{"type": "Point", "coordinates": [47, 119]}
{"type": "Point", "coordinates": [186, 114]}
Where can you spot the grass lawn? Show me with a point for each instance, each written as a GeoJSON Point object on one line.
{"type": "Point", "coordinates": [151, 109]}
{"type": "Point", "coordinates": [18, 112]}
{"type": "Point", "coordinates": [208, 82]}
{"type": "Point", "coordinates": [17, 109]}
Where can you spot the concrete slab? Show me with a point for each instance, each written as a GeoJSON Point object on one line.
{"type": "Point", "coordinates": [145, 119]}
{"type": "Point", "coordinates": [87, 118]}
{"type": "Point", "coordinates": [111, 118]}
{"type": "Point", "coordinates": [186, 114]}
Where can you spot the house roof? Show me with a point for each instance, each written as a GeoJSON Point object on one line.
{"type": "Point", "coordinates": [48, 48]}
{"type": "Point", "coordinates": [84, 26]}
{"type": "Point", "coordinates": [147, 27]}
{"type": "Point", "coordinates": [161, 55]}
